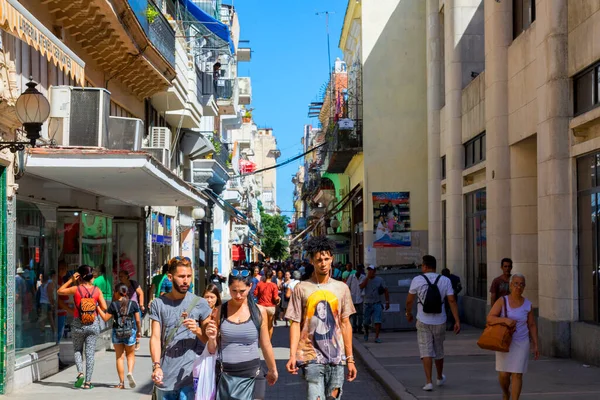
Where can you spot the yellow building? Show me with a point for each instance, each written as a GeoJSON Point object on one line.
{"type": "Point", "coordinates": [384, 50]}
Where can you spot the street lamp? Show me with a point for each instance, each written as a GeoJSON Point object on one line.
{"type": "Point", "coordinates": [198, 213]}
{"type": "Point", "coordinates": [32, 110]}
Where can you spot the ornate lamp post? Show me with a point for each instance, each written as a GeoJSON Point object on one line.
{"type": "Point", "coordinates": [32, 109]}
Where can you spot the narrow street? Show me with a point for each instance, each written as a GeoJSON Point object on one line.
{"type": "Point", "coordinates": [60, 386]}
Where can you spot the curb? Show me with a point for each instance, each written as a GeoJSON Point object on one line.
{"type": "Point", "coordinates": [394, 388]}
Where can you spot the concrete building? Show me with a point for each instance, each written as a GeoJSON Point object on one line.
{"type": "Point", "coordinates": [266, 154]}
{"type": "Point", "coordinates": [513, 147]}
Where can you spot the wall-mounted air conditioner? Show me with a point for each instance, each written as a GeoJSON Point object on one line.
{"type": "Point", "coordinates": [159, 145]}
{"type": "Point", "coordinates": [125, 133]}
{"type": "Point", "coordinates": [79, 116]}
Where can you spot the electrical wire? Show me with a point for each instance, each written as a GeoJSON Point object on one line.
{"type": "Point", "coordinates": [283, 163]}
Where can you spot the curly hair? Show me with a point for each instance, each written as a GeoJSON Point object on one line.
{"type": "Point", "coordinates": [318, 244]}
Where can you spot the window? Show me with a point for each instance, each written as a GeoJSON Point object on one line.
{"type": "Point", "coordinates": [444, 236]}
{"type": "Point", "coordinates": [523, 15]}
{"type": "Point", "coordinates": [585, 86]}
{"type": "Point", "coordinates": [475, 206]}
{"type": "Point", "coordinates": [588, 209]}
{"type": "Point", "coordinates": [443, 166]}
{"type": "Point", "coordinates": [475, 150]}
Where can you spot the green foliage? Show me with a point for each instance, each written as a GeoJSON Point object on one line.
{"type": "Point", "coordinates": [216, 144]}
{"type": "Point", "coordinates": [273, 240]}
{"type": "Point", "coordinates": [151, 13]}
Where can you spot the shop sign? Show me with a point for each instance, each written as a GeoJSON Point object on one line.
{"type": "Point", "coordinates": [346, 124]}
{"type": "Point", "coordinates": [242, 232]}
{"type": "Point", "coordinates": [301, 224]}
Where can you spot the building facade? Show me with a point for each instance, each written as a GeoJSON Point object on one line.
{"type": "Point", "coordinates": [512, 122]}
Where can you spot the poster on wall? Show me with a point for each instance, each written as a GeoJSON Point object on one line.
{"type": "Point", "coordinates": [391, 216]}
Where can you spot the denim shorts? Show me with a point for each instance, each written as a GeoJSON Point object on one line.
{"type": "Point", "coordinates": [323, 379]}
{"type": "Point", "coordinates": [372, 310]}
{"type": "Point", "coordinates": [130, 341]}
{"type": "Point", "coordinates": [186, 393]}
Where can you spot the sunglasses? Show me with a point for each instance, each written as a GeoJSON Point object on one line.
{"type": "Point", "coordinates": [240, 272]}
{"type": "Point", "coordinates": [179, 258]}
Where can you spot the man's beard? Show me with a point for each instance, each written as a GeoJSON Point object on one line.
{"type": "Point", "coordinates": [179, 288]}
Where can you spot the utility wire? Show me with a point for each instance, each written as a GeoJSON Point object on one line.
{"type": "Point", "coordinates": [283, 163]}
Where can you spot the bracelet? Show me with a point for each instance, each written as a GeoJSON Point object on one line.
{"type": "Point", "coordinates": [155, 365]}
{"type": "Point", "coordinates": [350, 362]}
{"type": "Point", "coordinates": [350, 357]}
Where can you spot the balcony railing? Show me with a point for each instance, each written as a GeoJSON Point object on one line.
{"type": "Point", "coordinates": [342, 146]}
{"type": "Point", "coordinates": [211, 7]}
{"type": "Point", "coordinates": [156, 26]}
{"type": "Point", "coordinates": [223, 156]}
{"type": "Point", "coordinates": [224, 88]}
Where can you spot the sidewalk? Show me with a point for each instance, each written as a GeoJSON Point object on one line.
{"type": "Point", "coordinates": [60, 386]}
{"type": "Point", "coordinates": [470, 371]}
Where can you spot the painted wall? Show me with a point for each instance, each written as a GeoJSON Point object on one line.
{"type": "Point", "coordinates": [395, 112]}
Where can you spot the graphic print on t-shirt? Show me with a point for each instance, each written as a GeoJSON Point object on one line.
{"type": "Point", "coordinates": [320, 340]}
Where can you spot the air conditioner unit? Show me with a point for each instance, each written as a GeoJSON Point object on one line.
{"type": "Point", "coordinates": [162, 155]}
{"type": "Point", "coordinates": [160, 138]}
{"type": "Point", "coordinates": [79, 116]}
{"type": "Point", "coordinates": [125, 133]}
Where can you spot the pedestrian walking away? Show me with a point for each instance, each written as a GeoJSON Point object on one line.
{"type": "Point", "coordinates": [217, 279]}
{"type": "Point", "coordinates": [287, 289]}
{"type": "Point", "coordinates": [135, 294]}
{"type": "Point", "coordinates": [518, 310]}
{"type": "Point", "coordinates": [85, 327]}
{"type": "Point", "coordinates": [244, 326]}
{"type": "Point", "coordinates": [320, 330]}
{"type": "Point", "coordinates": [267, 294]}
{"type": "Point", "coordinates": [177, 339]}
{"type": "Point", "coordinates": [430, 289]}
{"type": "Point", "coordinates": [457, 288]}
{"type": "Point", "coordinates": [374, 286]}
{"type": "Point", "coordinates": [358, 295]}
{"type": "Point", "coordinates": [500, 286]}
{"type": "Point", "coordinates": [127, 328]}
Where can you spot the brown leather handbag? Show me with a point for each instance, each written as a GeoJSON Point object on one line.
{"type": "Point", "coordinates": [498, 336]}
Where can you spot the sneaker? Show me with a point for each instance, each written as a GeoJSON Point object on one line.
{"type": "Point", "coordinates": [366, 337]}
{"type": "Point", "coordinates": [440, 382]}
{"type": "Point", "coordinates": [377, 340]}
{"type": "Point", "coordinates": [428, 387]}
{"type": "Point", "coordinates": [132, 383]}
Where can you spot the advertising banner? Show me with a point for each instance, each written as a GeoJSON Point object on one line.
{"type": "Point", "coordinates": [391, 217]}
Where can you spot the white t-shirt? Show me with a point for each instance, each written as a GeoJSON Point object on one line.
{"type": "Point", "coordinates": [419, 287]}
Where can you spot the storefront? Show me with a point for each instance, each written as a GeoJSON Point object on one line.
{"type": "Point", "coordinates": [6, 278]}
{"type": "Point", "coordinates": [162, 240]}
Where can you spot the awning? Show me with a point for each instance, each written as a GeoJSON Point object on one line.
{"type": "Point", "coordinates": [131, 177]}
{"type": "Point", "coordinates": [16, 20]}
{"type": "Point", "coordinates": [218, 28]}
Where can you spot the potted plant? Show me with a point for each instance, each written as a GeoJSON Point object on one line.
{"type": "Point", "coordinates": [151, 13]}
{"type": "Point", "coordinates": [247, 117]}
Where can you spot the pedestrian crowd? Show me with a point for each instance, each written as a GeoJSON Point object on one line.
{"type": "Point", "coordinates": [205, 348]}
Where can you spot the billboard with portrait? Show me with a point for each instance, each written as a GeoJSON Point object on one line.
{"type": "Point", "coordinates": [391, 219]}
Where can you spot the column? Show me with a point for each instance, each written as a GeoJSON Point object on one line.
{"type": "Point", "coordinates": [498, 36]}
{"type": "Point", "coordinates": [454, 148]}
{"type": "Point", "coordinates": [557, 271]}
{"type": "Point", "coordinates": [435, 100]}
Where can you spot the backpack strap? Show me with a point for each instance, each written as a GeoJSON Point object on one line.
{"type": "Point", "coordinates": [437, 280]}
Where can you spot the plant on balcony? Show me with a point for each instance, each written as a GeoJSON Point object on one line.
{"type": "Point", "coordinates": [247, 117]}
{"type": "Point", "coordinates": [216, 142]}
{"type": "Point", "coordinates": [151, 13]}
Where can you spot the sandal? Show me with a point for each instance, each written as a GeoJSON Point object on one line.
{"type": "Point", "coordinates": [121, 385]}
{"type": "Point", "coordinates": [88, 385]}
{"type": "Point", "coordinates": [79, 381]}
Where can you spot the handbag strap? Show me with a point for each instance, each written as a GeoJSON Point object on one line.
{"type": "Point", "coordinates": [173, 331]}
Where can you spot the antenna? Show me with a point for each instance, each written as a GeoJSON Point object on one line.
{"type": "Point", "coordinates": [326, 13]}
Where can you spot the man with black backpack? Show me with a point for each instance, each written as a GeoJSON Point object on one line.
{"type": "Point", "coordinates": [431, 289]}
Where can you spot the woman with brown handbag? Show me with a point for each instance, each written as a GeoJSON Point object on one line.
{"type": "Point", "coordinates": [512, 365]}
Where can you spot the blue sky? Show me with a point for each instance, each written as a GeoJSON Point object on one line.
{"type": "Point", "coordinates": [288, 68]}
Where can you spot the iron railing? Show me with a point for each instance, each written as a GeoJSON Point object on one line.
{"type": "Point", "coordinates": [205, 84]}
{"type": "Point", "coordinates": [157, 28]}
{"type": "Point", "coordinates": [211, 7]}
{"type": "Point", "coordinates": [222, 157]}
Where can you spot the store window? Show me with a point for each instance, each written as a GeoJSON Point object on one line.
{"type": "Point", "coordinates": [126, 250]}
{"type": "Point", "coordinates": [35, 279]}
{"type": "Point", "coordinates": [588, 209]}
{"type": "Point", "coordinates": [475, 212]}
{"type": "Point", "coordinates": [162, 238]}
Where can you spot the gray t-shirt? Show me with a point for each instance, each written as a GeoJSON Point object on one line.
{"type": "Point", "coordinates": [372, 290]}
{"type": "Point", "coordinates": [179, 356]}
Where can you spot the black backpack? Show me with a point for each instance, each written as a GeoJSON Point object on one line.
{"type": "Point", "coordinates": [125, 327]}
{"type": "Point", "coordinates": [432, 304]}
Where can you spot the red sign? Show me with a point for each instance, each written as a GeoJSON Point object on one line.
{"type": "Point", "coordinates": [37, 255]}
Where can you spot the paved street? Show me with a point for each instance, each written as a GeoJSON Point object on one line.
{"type": "Point", "coordinates": [471, 371]}
{"type": "Point", "coordinates": [60, 386]}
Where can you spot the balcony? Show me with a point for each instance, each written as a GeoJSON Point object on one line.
{"type": "Point", "coordinates": [209, 173]}
{"type": "Point", "coordinates": [211, 7]}
{"type": "Point", "coordinates": [224, 89]}
{"type": "Point", "coordinates": [156, 27]}
{"type": "Point", "coordinates": [343, 145]}
{"type": "Point", "coordinates": [324, 196]}
{"type": "Point", "coordinates": [205, 90]}
{"type": "Point", "coordinates": [316, 212]}
{"type": "Point", "coordinates": [244, 52]}
{"type": "Point", "coordinates": [245, 90]}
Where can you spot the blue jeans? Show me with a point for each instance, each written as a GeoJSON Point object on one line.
{"type": "Point", "coordinates": [60, 331]}
{"type": "Point", "coordinates": [323, 380]}
{"type": "Point", "coordinates": [373, 311]}
{"type": "Point", "coordinates": [185, 393]}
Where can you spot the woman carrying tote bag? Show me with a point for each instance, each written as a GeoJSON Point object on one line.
{"type": "Point", "coordinates": [242, 330]}
{"type": "Point", "coordinates": [512, 365]}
